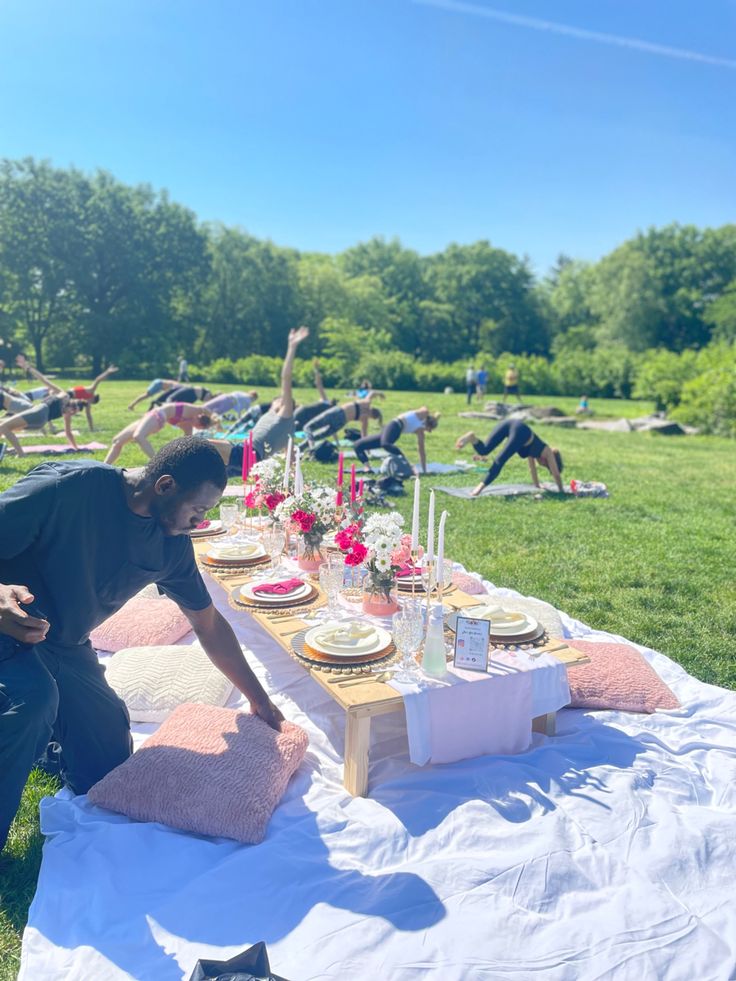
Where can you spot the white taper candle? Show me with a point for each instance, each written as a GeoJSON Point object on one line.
{"type": "Point", "coordinates": [415, 517]}
{"type": "Point", "coordinates": [430, 528]}
{"type": "Point", "coordinates": [441, 549]}
{"type": "Point", "coordinates": [287, 464]}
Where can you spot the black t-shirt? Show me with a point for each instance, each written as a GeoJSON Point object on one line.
{"type": "Point", "coordinates": [67, 533]}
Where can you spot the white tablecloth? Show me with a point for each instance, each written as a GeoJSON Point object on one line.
{"type": "Point", "coordinates": [471, 714]}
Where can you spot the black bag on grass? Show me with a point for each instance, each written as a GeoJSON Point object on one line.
{"type": "Point", "coordinates": [322, 452]}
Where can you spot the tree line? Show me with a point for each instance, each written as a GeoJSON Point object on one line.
{"type": "Point", "coordinates": [93, 270]}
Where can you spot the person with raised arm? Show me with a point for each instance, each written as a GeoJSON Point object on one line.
{"type": "Point", "coordinates": [272, 431]}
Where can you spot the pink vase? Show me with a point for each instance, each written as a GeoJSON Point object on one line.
{"type": "Point", "coordinates": [309, 558]}
{"type": "Point", "coordinates": [309, 565]}
{"type": "Point", "coordinates": [376, 604]}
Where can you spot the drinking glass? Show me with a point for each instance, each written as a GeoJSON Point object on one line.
{"type": "Point", "coordinates": [408, 630]}
{"type": "Point", "coordinates": [274, 540]}
{"type": "Point", "coordinates": [228, 515]}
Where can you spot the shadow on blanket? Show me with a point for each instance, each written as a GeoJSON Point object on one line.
{"type": "Point", "coordinates": [505, 787]}
{"type": "Point", "coordinates": [297, 853]}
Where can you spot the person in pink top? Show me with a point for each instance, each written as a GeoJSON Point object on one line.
{"type": "Point", "coordinates": [182, 415]}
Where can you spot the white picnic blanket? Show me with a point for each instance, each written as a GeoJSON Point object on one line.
{"type": "Point", "coordinates": [605, 852]}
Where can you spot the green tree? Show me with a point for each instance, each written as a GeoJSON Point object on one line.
{"type": "Point", "coordinates": [37, 230]}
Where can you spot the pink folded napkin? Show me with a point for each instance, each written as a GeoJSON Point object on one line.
{"type": "Point", "coordinates": [407, 570]}
{"type": "Point", "coordinates": [203, 524]}
{"type": "Point", "coordinates": [279, 588]}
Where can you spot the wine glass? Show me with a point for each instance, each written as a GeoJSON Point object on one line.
{"type": "Point", "coordinates": [228, 516]}
{"type": "Point", "coordinates": [274, 539]}
{"type": "Point", "coordinates": [408, 630]}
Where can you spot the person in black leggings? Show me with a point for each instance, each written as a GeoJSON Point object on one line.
{"type": "Point", "coordinates": [419, 422]}
{"type": "Point", "coordinates": [183, 393]}
{"type": "Point", "coordinates": [521, 441]}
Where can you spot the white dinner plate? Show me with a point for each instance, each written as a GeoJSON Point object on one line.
{"type": "Point", "coordinates": [248, 591]}
{"type": "Point", "coordinates": [227, 552]}
{"type": "Point", "coordinates": [521, 627]}
{"type": "Point", "coordinates": [211, 528]}
{"type": "Point", "coordinates": [383, 639]}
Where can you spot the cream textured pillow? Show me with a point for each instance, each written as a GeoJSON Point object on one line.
{"type": "Point", "coordinates": [153, 681]}
{"type": "Point", "coordinates": [142, 620]}
{"type": "Point", "coordinates": [213, 771]}
{"type": "Point", "coordinates": [545, 613]}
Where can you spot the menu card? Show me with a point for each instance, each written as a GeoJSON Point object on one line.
{"type": "Point", "coordinates": [471, 644]}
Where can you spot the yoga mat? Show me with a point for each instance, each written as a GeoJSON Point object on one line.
{"type": "Point", "coordinates": [57, 449]}
{"type": "Point", "coordinates": [501, 490]}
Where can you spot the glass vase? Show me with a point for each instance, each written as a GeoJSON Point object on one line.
{"type": "Point", "coordinates": [380, 599]}
{"type": "Point", "coordinates": [309, 554]}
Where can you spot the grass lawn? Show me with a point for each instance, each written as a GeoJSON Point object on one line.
{"type": "Point", "coordinates": [654, 562]}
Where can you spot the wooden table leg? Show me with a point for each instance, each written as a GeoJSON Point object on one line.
{"type": "Point", "coordinates": [357, 744]}
{"type": "Point", "coordinates": [546, 724]}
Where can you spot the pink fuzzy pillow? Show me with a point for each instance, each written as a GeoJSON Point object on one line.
{"type": "Point", "coordinates": [142, 622]}
{"type": "Point", "coordinates": [214, 771]}
{"type": "Point", "coordinates": [618, 677]}
{"type": "Point", "coordinates": [468, 584]}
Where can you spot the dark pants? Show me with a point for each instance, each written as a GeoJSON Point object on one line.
{"type": "Point", "coordinates": [305, 413]}
{"type": "Point", "coordinates": [471, 391]}
{"type": "Point", "coordinates": [326, 423]}
{"type": "Point", "coordinates": [49, 692]}
{"type": "Point", "coordinates": [385, 440]}
{"type": "Point", "coordinates": [519, 438]}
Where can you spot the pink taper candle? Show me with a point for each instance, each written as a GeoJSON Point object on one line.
{"type": "Point", "coordinates": [352, 483]}
{"type": "Point", "coordinates": [340, 468]}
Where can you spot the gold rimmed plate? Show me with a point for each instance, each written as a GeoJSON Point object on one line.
{"type": "Point", "coordinates": [244, 603]}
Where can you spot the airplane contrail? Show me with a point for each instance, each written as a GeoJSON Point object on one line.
{"type": "Point", "coordinates": [552, 27]}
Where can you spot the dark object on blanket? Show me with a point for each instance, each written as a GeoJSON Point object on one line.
{"type": "Point", "coordinates": [322, 452]}
{"type": "Point", "coordinates": [250, 965]}
{"type": "Point", "coordinates": [352, 434]}
{"type": "Point", "coordinates": [397, 467]}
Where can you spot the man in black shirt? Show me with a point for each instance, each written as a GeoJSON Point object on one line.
{"type": "Point", "coordinates": [77, 540]}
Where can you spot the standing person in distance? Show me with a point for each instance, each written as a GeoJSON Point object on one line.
{"type": "Point", "coordinates": [470, 382]}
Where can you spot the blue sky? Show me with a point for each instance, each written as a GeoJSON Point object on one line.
{"type": "Point", "coordinates": [544, 127]}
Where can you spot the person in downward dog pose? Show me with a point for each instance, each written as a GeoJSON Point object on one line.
{"type": "Point", "coordinates": [521, 441]}
{"type": "Point", "coordinates": [179, 414]}
{"type": "Point", "coordinates": [332, 420]}
{"type": "Point", "coordinates": [419, 421]}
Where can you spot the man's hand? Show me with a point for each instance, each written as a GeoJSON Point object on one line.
{"type": "Point", "coordinates": [14, 621]}
{"type": "Point", "coordinates": [477, 490]}
{"type": "Point", "coordinates": [268, 712]}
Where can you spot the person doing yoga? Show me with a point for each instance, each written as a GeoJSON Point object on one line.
{"type": "Point", "coordinates": [57, 405]}
{"type": "Point", "coordinates": [520, 440]}
{"type": "Point", "coordinates": [179, 414]}
{"type": "Point", "coordinates": [11, 400]}
{"type": "Point", "coordinates": [238, 402]}
{"type": "Point", "coordinates": [332, 420]}
{"type": "Point", "coordinates": [419, 422]}
{"type": "Point", "coordinates": [88, 396]}
{"type": "Point", "coordinates": [304, 414]}
{"type": "Point", "coordinates": [156, 386]}
{"type": "Point", "coordinates": [271, 432]}
{"type": "Point", "coordinates": [183, 393]}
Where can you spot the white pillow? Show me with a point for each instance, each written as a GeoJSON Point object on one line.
{"type": "Point", "coordinates": [153, 681]}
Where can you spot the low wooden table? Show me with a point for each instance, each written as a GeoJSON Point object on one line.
{"type": "Point", "coordinates": [360, 702]}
